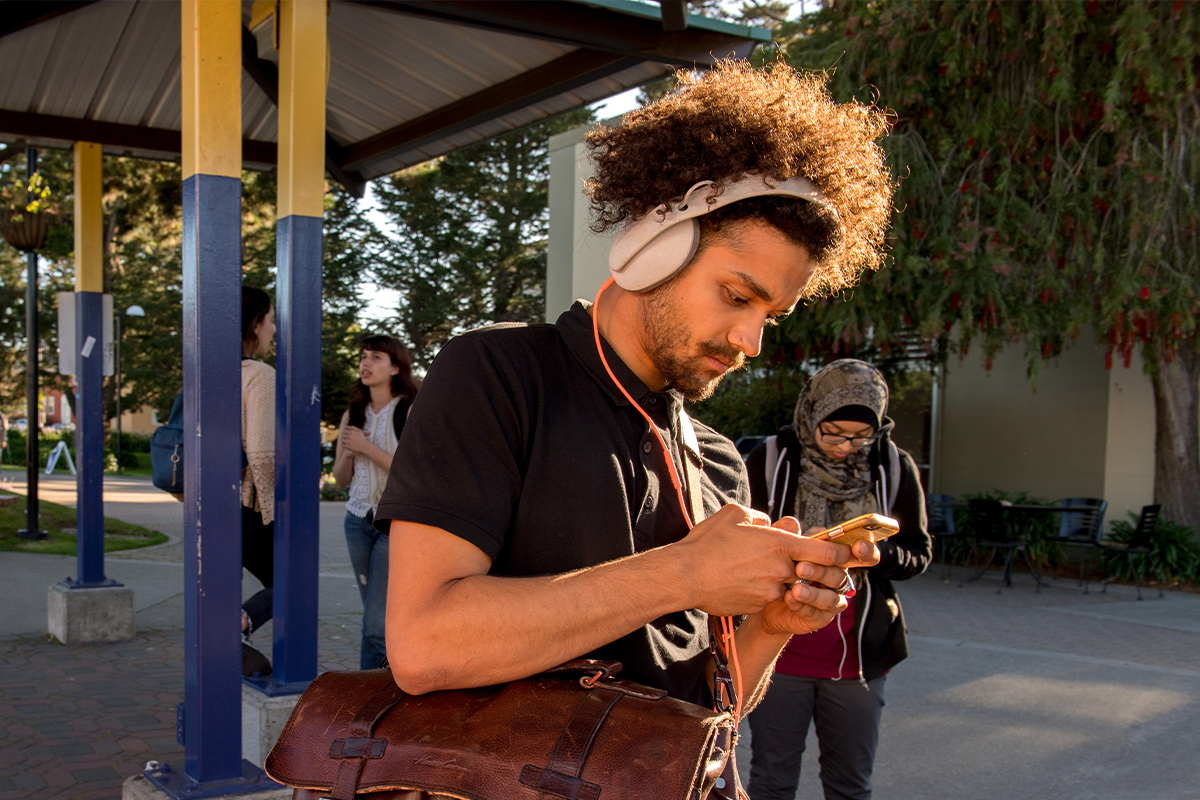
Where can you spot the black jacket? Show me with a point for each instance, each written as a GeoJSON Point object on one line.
{"type": "Point", "coordinates": [879, 620]}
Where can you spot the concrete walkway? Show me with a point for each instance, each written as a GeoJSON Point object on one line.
{"type": "Point", "coordinates": [1051, 694]}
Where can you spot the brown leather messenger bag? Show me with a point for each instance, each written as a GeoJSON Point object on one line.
{"type": "Point", "coordinates": [577, 732]}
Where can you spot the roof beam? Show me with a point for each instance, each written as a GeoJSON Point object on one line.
{"type": "Point", "coordinates": [111, 134]}
{"type": "Point", "coordinates": [17, 15]}
{"type": "Point", "coordinates": [266, 76]}
{"type": "Point", "coordinates": [558, 76]}
{"type": "Point", "coordinates": [674, 14]}
{"type": "Point", "coordinates": [581, 25]}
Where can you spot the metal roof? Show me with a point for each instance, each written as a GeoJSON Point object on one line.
{"type": "Point", "coordinates": [409, 79]}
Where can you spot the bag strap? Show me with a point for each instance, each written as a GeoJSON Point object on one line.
{"type": "Point", "coordinates": [726, 693]}
{"type": "Point", "coordinates": [692, 461]}
{"type": "Point", "coordinates": [560, 777]}
{"type": "Point", "coordinates": [356, 748]}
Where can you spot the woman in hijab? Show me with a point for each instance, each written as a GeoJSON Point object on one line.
{"type": "Point", "coordinates": [835, 462]}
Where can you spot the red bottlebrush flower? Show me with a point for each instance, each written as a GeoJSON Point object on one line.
{"type": "Point", "coordinates": [1047, 349]}
{"type": "Point", "coordinates": [954, 300]}
{"type": "Point", "coordinates": [1105, 47]}
{"type": "Point", "coordinates": [1145, 293]}
{"type": "Point", "coordinates": [1177, 7]}
{"type": "Point", "coordinates": [1101, 205]}
{"type": "Point", "coordinates": [971, 142]}
{"type": "Point", "coordinates": [942, 69]}
{"type": "Point", "coordinates": [1047, 164]}
{"type": "Point", "coordinates": [1062, 262]}
{"type": "Point", "coordinates": [1128, 357]}
{"type": "Point", "coordinates": [965, 187]}
{"type": "Point", "coordinates": [1092, 7]}
{"type": "Point", "coordinates": [1108, 359]}
{"type": "Point", "coordinates": [987, 364]}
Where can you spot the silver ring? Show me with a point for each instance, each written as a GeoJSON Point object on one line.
{"type": "Point", "coordinates": [845, 586]}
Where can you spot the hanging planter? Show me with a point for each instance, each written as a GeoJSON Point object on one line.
{"type": "Point", "coordinates": [26, 231]}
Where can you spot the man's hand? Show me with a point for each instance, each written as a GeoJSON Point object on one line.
{"type": "Point", "coordinates": [739, 564]}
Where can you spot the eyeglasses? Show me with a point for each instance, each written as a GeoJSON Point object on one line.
{"type": "Point", "coordinates": [856, 441]}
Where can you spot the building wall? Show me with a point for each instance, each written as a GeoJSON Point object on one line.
{"type": "Point", "coordinates": [1129, 455]}
{"type": "Point", "coordinates": [1082, 431]}
{"type": "Point", "coordinates": [576, 258]}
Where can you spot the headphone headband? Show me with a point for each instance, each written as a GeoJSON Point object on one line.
{"type": "Point", "coordinates": [652, 248]}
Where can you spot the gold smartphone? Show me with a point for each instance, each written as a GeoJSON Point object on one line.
{"type": "Point", "coordinates": [871, 527]}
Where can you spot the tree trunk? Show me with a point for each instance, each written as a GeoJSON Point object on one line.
{"type": "Point", "coordinates": [1177, 434]}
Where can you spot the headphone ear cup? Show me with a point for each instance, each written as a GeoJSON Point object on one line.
{"type": "Point", "coordinates": [660, 258]}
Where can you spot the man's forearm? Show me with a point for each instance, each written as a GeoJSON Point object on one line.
{"type": "Point", "coordinates": [757, 652]}
{"type": "Point", "coordinates": [517, 627]}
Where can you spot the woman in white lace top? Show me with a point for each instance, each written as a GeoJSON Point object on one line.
{"type": "Point", "coordinates": [367, 439]}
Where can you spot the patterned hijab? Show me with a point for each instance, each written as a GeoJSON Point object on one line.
{"type": "Point", "coordinates": [830, 491]}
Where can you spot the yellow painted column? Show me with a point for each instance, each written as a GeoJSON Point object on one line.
{"type": "Point", "coordinates": [212, 87]}
{"type": "Point", "coordinates": [89, 218]}
{"type": "Point", "coordinates": [303, 53]}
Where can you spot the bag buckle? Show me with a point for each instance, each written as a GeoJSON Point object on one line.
{"type": "Point", "coordinates": [725, 695]}
{"type": "Point", "coordinates": [590, 681]}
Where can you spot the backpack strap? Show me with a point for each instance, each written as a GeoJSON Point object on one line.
{"type": "Point", "coordinates": [893, 476]}
{"type": "Point", "coordinates": [769, 466]}
{"type": "Point", "coordinates": [692, 462]}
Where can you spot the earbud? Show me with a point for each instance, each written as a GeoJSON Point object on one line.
{"type": "Point", "coordinates": [650, 250]}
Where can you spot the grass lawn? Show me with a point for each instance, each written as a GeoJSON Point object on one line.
{"type": "Point", "coordinates": [59, 521]}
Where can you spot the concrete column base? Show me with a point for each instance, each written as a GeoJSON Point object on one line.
{"type": "Point", "coordinates": [139, 788]}
{"type": "Point", "coordinates": [101, 614]}
{"type": "Point", "coordinates": [263, 718]}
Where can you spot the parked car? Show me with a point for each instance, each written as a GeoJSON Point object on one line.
{"type": "Point", "coordinates": [17, 424]}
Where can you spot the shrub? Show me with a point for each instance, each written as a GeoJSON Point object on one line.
{"type": "Point", "coordinates": [1174, 552]}
{"type": "Point", "coordinates": [331, 491]}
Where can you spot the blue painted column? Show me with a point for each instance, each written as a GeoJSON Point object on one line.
{"type": "Point", "coordinates": [212, 555]}
{"type": "Point", "coordinates": [297, 451]}
{"type": "Point", "coordinates": [89, 440]}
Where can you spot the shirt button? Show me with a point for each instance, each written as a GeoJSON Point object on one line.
{"type": "Point", "coordinates": [649, 502]}
{"type": "Point", "coordinates": [653, 400]}
{"type": "Point", "coordinates": [647, 447]}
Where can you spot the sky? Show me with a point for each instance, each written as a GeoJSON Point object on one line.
{"type": "Point", "coordinates": [381, 302]}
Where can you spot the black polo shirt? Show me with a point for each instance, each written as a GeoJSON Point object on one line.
{"type": "Point", "coordinates": [520, 443]}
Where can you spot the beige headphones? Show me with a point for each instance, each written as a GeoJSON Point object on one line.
{"type": "Point", "coordinates": [652, 248]}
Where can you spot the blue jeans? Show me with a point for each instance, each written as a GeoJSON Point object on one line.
{"type": "Point", "coordinates": [847, 719]}
{"type": "Point", "coordinates": [369, 558]}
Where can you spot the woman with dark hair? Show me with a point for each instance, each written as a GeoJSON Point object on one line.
{"type": "Point", "coordinates": [835, 462]}
{"type": "Point", "coordinates": [258, 467]}
{"type": "Point", "coordinates": [367, 438]}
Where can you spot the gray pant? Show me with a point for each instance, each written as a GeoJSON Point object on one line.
{"type": "Point", "coordinates": [847, 718]}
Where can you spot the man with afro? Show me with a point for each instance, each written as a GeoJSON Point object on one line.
{"type": "Point", "coordinates": [539, 502]}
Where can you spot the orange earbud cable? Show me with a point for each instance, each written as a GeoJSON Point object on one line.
{"type": "Point", "coordinates": [726, 623]}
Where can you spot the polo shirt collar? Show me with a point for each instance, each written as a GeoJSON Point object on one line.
{"type": "Point", "coordinates": [575, 327]}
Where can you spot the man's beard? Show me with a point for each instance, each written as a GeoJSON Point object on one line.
{"type": "Point", "coordinates": [666, 337]}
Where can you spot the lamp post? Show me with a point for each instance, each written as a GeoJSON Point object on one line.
{"type": "Point", "coordinates": [32, 422]}
{"type": "Point", "coordinates": [132, 311]}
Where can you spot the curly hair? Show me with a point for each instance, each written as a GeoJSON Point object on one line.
{"type": "Point", "coordinates": [777, 122]}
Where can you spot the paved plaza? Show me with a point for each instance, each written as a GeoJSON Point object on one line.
{"type": "Point", "coordinates": [1051, 694]}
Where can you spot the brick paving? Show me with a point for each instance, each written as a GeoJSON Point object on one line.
{"type": "Point", "coordinates": [78, 720]}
